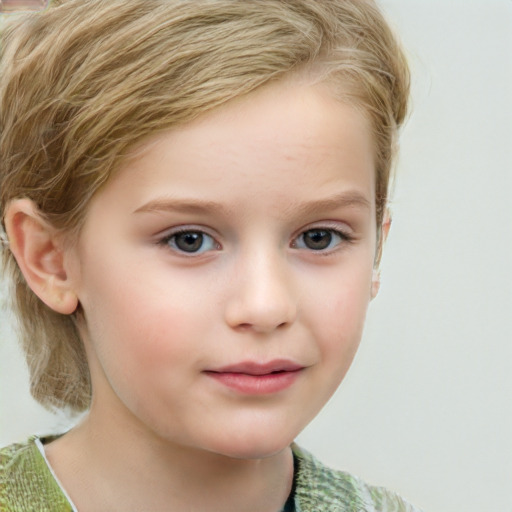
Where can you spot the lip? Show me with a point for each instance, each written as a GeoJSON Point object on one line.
{"type": "Point", "coordinates": [253, 378]}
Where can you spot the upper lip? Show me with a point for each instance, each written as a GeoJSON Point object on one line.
{"type": "Point", "coordinates": [256, 368]}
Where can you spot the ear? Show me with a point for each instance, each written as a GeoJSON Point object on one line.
{"type": "Point", "coordinates": [383, 234]}
{"type": "Point", "coordinates": [38, 249]}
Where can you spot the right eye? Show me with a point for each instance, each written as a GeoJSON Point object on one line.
{"type": "Point", "coordinates": [190, 242]}
{"type": "Point", "coordinates": [320, 239]}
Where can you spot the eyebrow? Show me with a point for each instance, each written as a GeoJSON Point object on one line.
{"type": "Point", "coordinates": [169, 204]}
{"type": "Point", "coordinates": [343, 200]}
{"type": "Point", "coordinates": [352, 199]}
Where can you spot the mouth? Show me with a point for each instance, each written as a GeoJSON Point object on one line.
{"type": "Point", "coordinates": [253, 378]}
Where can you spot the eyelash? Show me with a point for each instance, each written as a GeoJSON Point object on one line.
{"type": "Point", "coordinates": [343, 239]}
{"type": "Point", "coordinates": [169, 241]}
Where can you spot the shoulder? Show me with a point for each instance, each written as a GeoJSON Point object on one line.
{"type": "Point", "coordinates": [26, 482]}
{"type": "Point", "coordinates": [322, 489]}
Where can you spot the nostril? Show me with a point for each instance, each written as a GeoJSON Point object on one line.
{"type": "Point", "coordinates": [261, 306]}
{"type": "Point", "coordinates": [259, 327]}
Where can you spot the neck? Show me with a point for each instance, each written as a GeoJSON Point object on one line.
{"type": "Point", "coordinates": [104, 467]}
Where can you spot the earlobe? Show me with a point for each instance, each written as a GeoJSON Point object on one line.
{"type": "Point", "coordinates": [384, 231]}
{"type": "Point", "coordinates": [386, 225]}
{"type": "Point", "coordinates": [38, 250]}
{"type": "Point", "coordinates": [375, 283]}
{"type": "Point", "coordinates": [382, 236]}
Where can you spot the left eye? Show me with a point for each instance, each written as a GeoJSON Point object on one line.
{"type": "Point", "coordinates": [319, 239]}
{"type": "Point", "coordinates": [191, 242]}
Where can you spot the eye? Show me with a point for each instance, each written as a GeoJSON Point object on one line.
{"type": "Point", "coordinates": [319, 239]}
{"type": "Point", "coordinates": [191, 242]}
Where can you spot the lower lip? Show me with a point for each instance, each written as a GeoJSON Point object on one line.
{"type": "Point", "coordinates": [256, 384]}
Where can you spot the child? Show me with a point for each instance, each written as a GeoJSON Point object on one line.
{"type": "Point", "coordinates": [194, 198]}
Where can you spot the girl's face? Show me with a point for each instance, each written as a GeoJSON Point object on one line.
{"type": "Point", "coordinates": [225, 272]}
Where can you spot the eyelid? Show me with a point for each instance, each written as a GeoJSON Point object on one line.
{"type": "Point", "coordinates": [340, 229]}
{"type": "Point", "coordinates": [185, 228]}
{"type": "Point", "coordinates": [329, 225]}
{"type": "Point", "coordinates": [165, 236]}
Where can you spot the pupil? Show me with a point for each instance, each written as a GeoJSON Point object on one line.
{"type": "Point", "coordinates": [317, 239]}
{"type": "Point", "coordinates": [189, 242]}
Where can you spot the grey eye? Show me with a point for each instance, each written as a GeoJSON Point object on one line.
{"type": "Point", "coordinates": [192, 242]}
{"type": "Point", "coordinates": [318, 239]}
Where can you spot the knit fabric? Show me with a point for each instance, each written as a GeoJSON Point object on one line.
{"type": "Point", "coordinates": [322, 489]}
{"type": "Point", "coordinates": [27, 484]}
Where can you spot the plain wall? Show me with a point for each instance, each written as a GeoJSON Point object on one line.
{"type": "Point", "coordinates": [427, 407]}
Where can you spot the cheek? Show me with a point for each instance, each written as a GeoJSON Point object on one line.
{"type": "Point", "coordinates": [340, 317]}
{"type": "Point", "coordinates": [143, 329]}
{"type": "Point", "coordinates": [133, 326]}
{"type": "Point", "coordinates": [140, 350]}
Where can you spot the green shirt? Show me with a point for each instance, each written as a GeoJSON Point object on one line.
{"type": "Point", "coordinates": [28, 484]}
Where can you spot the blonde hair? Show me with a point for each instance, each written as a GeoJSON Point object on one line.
{"type": "Point", "coordinates": [85, 80]}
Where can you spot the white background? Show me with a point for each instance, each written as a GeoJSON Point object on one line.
{"type": "Point", "coordinates": [427, 407]}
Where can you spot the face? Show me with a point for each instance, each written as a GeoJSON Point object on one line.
{"type": "Point", "coordinates": [224, 273]}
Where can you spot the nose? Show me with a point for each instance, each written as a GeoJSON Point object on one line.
{"type": "Point", "coordinates": [263, 298]}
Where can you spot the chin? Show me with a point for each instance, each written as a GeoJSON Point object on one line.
{"type": "Point", "coordinates": [254, 445]}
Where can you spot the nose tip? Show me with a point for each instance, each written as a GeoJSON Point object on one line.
{"type": "Point", "coordinates": [264, 321]}
{"type": "Point", "coordinates": [262, 302]}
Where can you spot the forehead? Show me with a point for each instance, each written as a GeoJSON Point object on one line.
{"type": "Point", "coordinates": [287, 138]}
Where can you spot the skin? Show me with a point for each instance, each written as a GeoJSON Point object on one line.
{"type": "Point", "coordinates": [254, 176]}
